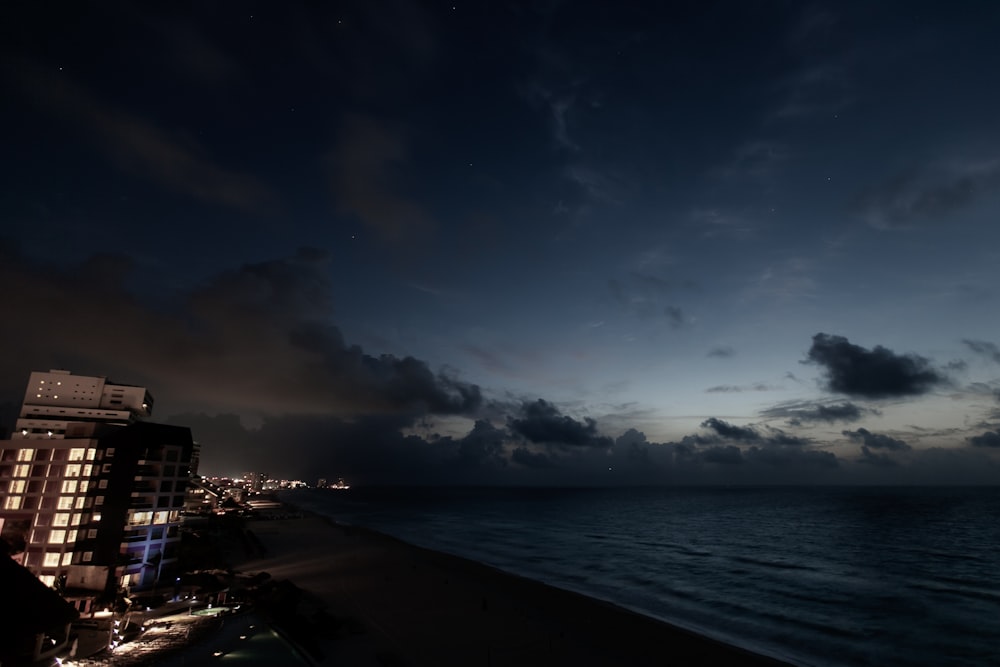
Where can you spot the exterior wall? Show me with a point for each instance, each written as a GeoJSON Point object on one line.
{"type": "Point", "coordinates": [46, 498]}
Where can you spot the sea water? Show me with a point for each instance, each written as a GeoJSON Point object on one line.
{"type": "Point", "coordinates": [829, 576]}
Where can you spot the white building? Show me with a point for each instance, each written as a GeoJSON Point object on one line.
{"type": "Point", "coordinates": [94, 494]}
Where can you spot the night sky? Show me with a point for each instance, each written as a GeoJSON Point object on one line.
{"type": "Point", "coordinates": [517, 243]}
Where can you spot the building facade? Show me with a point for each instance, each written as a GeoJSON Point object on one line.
{"type": "Point", "coordinates": [92, 496]}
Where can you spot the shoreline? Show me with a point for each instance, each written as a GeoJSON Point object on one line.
{"type": "Point", "coordinates": [410, 605]}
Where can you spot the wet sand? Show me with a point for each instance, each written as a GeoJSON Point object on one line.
{"type": "Point", "coordinates": [412, 606]}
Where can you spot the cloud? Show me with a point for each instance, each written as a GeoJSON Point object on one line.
{"type": "Point", "coordinates": [138, 146]}
{"type": "Point", "coordinates": [365, 180]}
{"type": "Point", "coordinates": [877, 440]}
{"type": "Point", "coordinates": [727, 430]}
{"type": "Point", "coordinates": [736, 389]}
{"type": "Point", "coordinates": [869, 457]}
{"type": "Point", "coordinates": [987, 439]}
{"type": "Point", "coordinates": [721, 352]}
{"type": "Point", "coordinates": [878, 373]}
{"type": "Point", "coordinates": [728, 455]}
{"type": "Point", "coordinates": [530, 459]}
{"type": "Point", "coordinates": [541, 422]}
{"type": "Point", "coordinates": [932, 193]}
{"type": "Point", "coordinates": [798, 412]}
{"type": "Point", "coordinates": [770, 437]}
{"type": "Point", "coordinates": [254, 339]}
{"type": "Point", "coordinates": [984, 348]}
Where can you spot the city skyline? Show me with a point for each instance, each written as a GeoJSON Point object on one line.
{"type": "Point", "coordinates": [557, 243]}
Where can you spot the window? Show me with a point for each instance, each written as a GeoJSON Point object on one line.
{"type": "Point", "coordinates": [89, 555]}
{"type": "Point", "coordinates": [17, 486]}
{"type": "Point", "coordinates": [79, 504]}
{"type": "Point", "coordinates": [103, 484]}
{"type": "Point", "coordinates": [62, 519]}
{"type": "Point", "coordinates": [73, 470]}
{"type": "Point", "coordinates": [110, 451]}
{"type": "Point", "coordinates": [48, 579]}
{"type": "Point", "coordinates": [57, 536]}
{"type": "Point", "coordinates": [25, 454]}
{"type": "Point", "coordinates": [92, 533]}
{"type": "Point", "coordinates": [84, 485]}
{"type": "Point", "coordinates": [77, 519]}
{"type": "Point", "coordinates": [70, 536]}
{"type": "Point", "coordinates": [91, 454]}
{"type": "Point", "coordinates": [65, 503]}
{"type": "Point", "coordinates": [87, 469]}
{"type": "Point", "coordinates": [70, 486]}
{"type": "Point", "coordinates": [21, 471]}
{"type": "Point", "coordinates": [77, 453]}
{"type": "Point", "coordinates": [12, 503]}
{"type": "Point", "coordinates": [106, 467]}
{"type": "Point", "coordinates": [51, 560]}
{"type": "Point", "coordinates": [67, 558]}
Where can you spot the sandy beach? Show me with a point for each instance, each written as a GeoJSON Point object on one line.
{"type": "Point", "coordinates": [397, 604]}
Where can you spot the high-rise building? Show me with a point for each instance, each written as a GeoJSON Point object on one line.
{"type": "Point", "coordinates": [93, 496]}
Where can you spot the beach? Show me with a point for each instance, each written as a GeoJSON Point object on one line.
{"type": "Point", "coordinates": [387, 602]}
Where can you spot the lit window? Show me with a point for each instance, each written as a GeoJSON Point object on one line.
{"type": "Point", "coordinates": [76, 454]}
{"type": "Point", "coordinates": [73, 470]}
{"type": "Point", "coordinates": [61, 519]}
{"type": "Point", "coordinates": [17, 486]}
{"type": "Point", "coordinates": [84, 485]}
{"type": "Point", "coordinates": [69, 486]}
{"type": "Point", "coordinates": [21, 471]}
{"type": "Point", "coordinates": [65, 502]}
{"type": "Point", "coordinates": [48, 579]}
{"type": "Point", "coordinates": [70, 536]}
{"type": "Point", "coordinates": [51, 560]}
{"type": "Point", "coordinates": [97, 517]}
{"type": "Point", "coordinates": [57, 536]}
{"type": "Point", "coordinates": [67, 558]}
{"type": "Point", "coordinates": [12, 503]}
{"type": "Point", "coordinates": [77, 518]}
{"type": "Point", "coordinates": [79, 502]}
{"type": "Point", "coordinates": [86, 470]}
{"type": "Point", "coordinates": [91, 453]}
{"type": "Point", "coordinates": [25, 454]}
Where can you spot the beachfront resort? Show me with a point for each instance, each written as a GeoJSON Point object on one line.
{"type": "Point", "coordinates": [107, 528]}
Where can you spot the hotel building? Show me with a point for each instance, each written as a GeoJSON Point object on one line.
{"type": "Point", "coordinates": [90, 493]}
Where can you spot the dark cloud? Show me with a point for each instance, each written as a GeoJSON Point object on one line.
{"type": "Point", "coordinates": [785, 457]}
{"type": "Point", "coordinates": [530, 459]}
{"type": "Point", "coordinates": [984, 349]}
{"type": "Point", "coordinates": [799, 412]}
{"type": "Point", "coordinates": [541, 422]}
{"type": "Point", "coordinates": [365, 168]}
{"type": "Point", "coordinates": [930, 194]}
{"type": "Point", "coordinates": [877, 440]}
{"type": "Point", "coordinates": [769, 437]}
{"type": "Point", "coordinates": [136, 145]}
{"type": "Point", "coordinates": [255, 339]}
{"type": "Point", "coordinates": [869, 457]}
{"type": "Point", "coordinates": [727, 430]}
{"type": "Point", "coordinates": [728, 455]}
{"type": "Point", "coordinates": [721, 352]}
{"type": "Point", "coordinates": [878, 373]}
{"type": "Point", "coordinates": [987, 439]}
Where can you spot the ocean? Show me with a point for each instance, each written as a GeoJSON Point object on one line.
{"type": "Point", "coordinates": [826, 577]}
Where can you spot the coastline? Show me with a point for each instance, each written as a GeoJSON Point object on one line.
{"type": "Point", "coordinates": [394, 603]}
